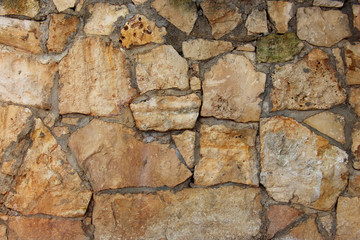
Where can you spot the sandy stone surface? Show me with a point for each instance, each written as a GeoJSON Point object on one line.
{"type": "Point", "coordinates": [352, 59]}
{"type": "Point", "coordinates": [256, 22]}
{"type": "Point", "coordinates": [280, 12]}
{"type": "Point", "coordinates": [306, 230]}
{"type": "Point", "coordinates": [347, 217]}
{"type": "Point", "coordinates": [354, 99]}
{"type": "Point", "coordinates": [62, 5]}
{"type": "Point", "coordinates": [29, 8]}
{"type": "Point", "coordinates": [326, 222]}
{"type": "Point", "coordinates": [185, 142]}
{"type": "Point", "coordinates": [280, 216]}
{"type": "Point", "coordinates": [201, 49]}
{"type": "Point", "coordinates": [248, 47]}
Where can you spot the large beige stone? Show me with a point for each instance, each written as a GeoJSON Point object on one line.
{"type": "Point", "coordinates": [232, 92]}
{"type": "Point", "coordinates": [279, 217]}
{"type": "Point", "coordinates": [62, 5]}
{"type": "Point", "coordinates": [46, 183]}
{"type": "Point", "coordinates": [352, 59]}
{"type": "Point", "coordinates": [299, 166]}
{"type": "Point", "coordinates": [164, 113]}
{"type": "Point", "coordinates": [227, 155]}
{"type": "Point", "coordinates": [356, 13]}
{"type": "Point", "coordinates": [280, 13]}
{"type": "Point", "coordinates": [220, 213]}
{"type": "Point", "coordinates": [185, 142]}
{"type": "Point", "coordinates": [201, 49]}
{"type": "Point", "coordinates": [182, 14]}
{"type": "Point", "coordinates": [322, 28]}
{"type": "Point", "coordinates": [94, 79]}
{"type": "Point", "coordinates": [347, 218]}
{"type": "Point", "coordinates": [328, 3]}
{"type": "Point", "coordinates": [354, 99]}
{"type": "Point", "coordinates": [308, 84]}
{"type": "Point", "coordinates": [355, 147]}
{"type": "Point", "coordinates": [29, 8]}
{"type": "Point", "coordinates": [256, 22]}
{"type": "Point", "coordinates": [304, 231]}
{"type": "Point", "coordinates": [25, 80]}
{"type": "Point", "coordinates": [113, 158]}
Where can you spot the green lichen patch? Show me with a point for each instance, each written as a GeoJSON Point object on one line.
{"type": "Point", "coordinates": [184, 5]}
{"type": "Point", "coordinates": [21, 7]}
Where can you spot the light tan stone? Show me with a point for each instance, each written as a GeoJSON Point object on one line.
{"type": "Point", "coordinates": [299, 166]}
{"type": "Point", "coordinates": [355, 147]}
{"type": "Point", "coordinates": [3, 232]}
{"type": "Point", "coordinates": [256, 22]}
{"type": "Point", "coordinates": [49, 120]}
{"type": "Point", "coordinates": [330, 124]}
{"type": "Point", "coordinates": [248, 47]}
{"type": "Point", "coordinates": [352, 59]}
{"type": "Point", "coordinates": [185, 142]}
{"type": "Point", "coordinates": [161, 68]}
{"type": "Point", "coordinates": [4, 217]}
{"type": "Point", "coordinates": [70, 121]}
{"type": "Point", "coordinates": [164, 113]}
{"type": "Point", "coordinates": [79, 5]}
{"type": "Point", "coordinates": [9, 167]}
{"type": "Point", "coordinates": [280, 216]}
{"type": "Point", "coordinates": [139, 30]}
{"type": "Point", "coordinates": [59, 131]}
{"type": "Point", "coordinates": [222, 17]}
{"type": "Point", "coordinates": [354, 185]}
{"type": "Point", "coordinates": [339, 61]}
{"type": "Point", "coordinates": [29, 8]}
{"type": "Point", "coordinates": [220, 213]}
{"type": "Point", "coordinates": [227, 155]}
{"type": "Point", "coordinates": [304, 231]}
{"type": "Point", "coordinates": [322, 28]}
{"type": "Point", "coordinates": [137, 2]}
{"type": "Point", "coordinates": [328, 3]}
{"type": "Point", "coordinates": [356, 20]}
{"type": "Point", "coordinates": [232, 92]}
{"type": "Point", "coordinates": [113, 158]}
{"type": "Point", "coordinates": [201, 49]}
{"type": "Point", "coordinates": [94, 79]}
{"type": "Point", "coordinates": [46, 183]}
{"type": "Point", "coordinates": [326, 222]}
{"type": "Point", "coordinates": [62, 5]}
{"type": "Point", "coordinates": [308, 84]}
{"type": "Point", "coordinates": [182, 14]}
{"type": "Point", "coordinates": [347, 217]}
{"type": "Point", "coordinates": [280, 13]}
{"type": "Point", "coordinates": [195, 83]}
{"type": "Point", "coordinates": [354, 99]}
{"type": "Point", "coordinates": [100, 25]}
{"type": "Point", "coordinates": [22, 228]}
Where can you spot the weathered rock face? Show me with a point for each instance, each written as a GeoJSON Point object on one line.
{"type": "Point", "coordinates": [354, 99]}
{"type": "Point", "coordinates": [354, 185]}
{"type": "Point", "coordinates": [62, 5]}
{"type": "Point", "coordinates": [338, 60]}
{"type": "Point", "coordinates": [328, 3]}
{"type": "Point", "coordinates": [280, 216]}
{"type": "Point", "coordinates": [280, 13]}
{"type": "Point", "coordinates": [347, 217]}
{"type": "Point", "coordinates": [326, 222]}
{"type": "Point", "coordinates": [356, 20]}
{"type": "Point", "coordinates": [322, 28]}
{"type": "Point", "coordinates": [308, 84]}
{"type": "Point", "coordinates": [188, 214]}
{"type": "Point", "coordinates": [201, 49]}
{"type": "Point", "coordinates": [46, 183]}
{"type": "Point", "coordinates": [161, 68]}
{"type": "Point", "coordinates": [116, 159]}
{"type": "Point", "coordinates": [257, 22]}
{"type": "Point", "coordinates": [355, 147]}
{"type": "Point", "coordinates": [227, 155]}
{"type": "Point", "coordinates": [94, 79]}
{"type": "Point", "coordinates": [185, 142]}
{"type": "Point", "coordinates": [352, 59]}
{"type": "Point", "coordinates": [305, 230]}
{"type": "Point", "coordinates": [3, 232]}
{"type": "Point", "coordinates": [232, 92]}
{"type": "Point", "coordinates": [300, 167]}
{"type": "Point", "coordinates": [29, 8]}
{"type": "Point", "coordinates": [164, 113]}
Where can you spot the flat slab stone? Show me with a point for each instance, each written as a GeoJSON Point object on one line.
{"type": "Point", "coordinates": [29, 8]}
{"type": "Point", "coordinates": [62, 5]}
{"type": "Point", "coordinates": [256, 22]}
{"type": "Point", "coordinates": [280, 13]}
{"type": "Point", "coordinates": [280, 216]}
{"type": "Point", "coordinates": [352, 60]}
{"type": "Point", "coordinates": [347, 218]}
{"type": "Point", "coordinates": [185, 142]}
{"type": "Point", "coordinates": [305, 230]}
{"type": "Point", "coordinates": [201, 49]}
{"type": "Point", "coordinates": [328, 3]}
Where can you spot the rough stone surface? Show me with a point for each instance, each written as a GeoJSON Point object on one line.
{"type": "Point", "coordinates": [195, 83]}
{"type": "Point", "coordinates": [163, 113]}
{"type": "Point", "coordinates": [300, 167]}
{"type": "Point", "coordinates": [29, 8]}
{"type": "Point", "coordinates": [354, 185]}
{"type": "Point", "coordinates": [347, 217]}
{"type": "Point", "coordinates": [70, 121]}
{"type": "Point", "coordinates": [356, 12]}
{"type": "Point", "coordinates": [355, 147]}
{"type": "Point", "coordinates": [354, 99]}
{"type": "Point", "coordinates": [338, 60]}
{"type": "Point", "coordinates": [137, 2]}
{"type": "Point", "coordinates": [62, 5]}
{"type": "Point", "coordinates": [94, 79]}
{"type": "Point", "coordinates": [352, 59]}
{"type": "Point", "coordinates": [306, 231]}
{"type": "Point", "coordinates": [280, 13]}
{"type": "Point", "coordinates": [231, 92]}
{"type": "Point", "coordinates": [308, 84]}
{"type": "Point", "coordinates": [139, 30]}
{"type": "Point", "coordinates": [59, 131]}
{"type": "Point", "coordinates": [185, 142]}
{"type": "Point", "coordinates": [322, 28]}
{"type": "Point", "coordinates": [3, 232]}
{"type": "Point", "coordinates": [280, 216]}
{"type": "Point", "coordinates": [328, 3]}
{"type": "Point", "coordinates": [330, 124]}
{"type": "Point", "coordinates": [220, 213]}
{"type": "Point", "coordinates": [257, 22]}
{"type": "Point", "coordinates": [116, 159]}
{"type": "Point", "coordinates": [248, 47]}
{"type": "Point", "coordinates": [161, 68]}
{"type": "Point", "coordinates": [182, 14]}
{"type": "Point", "coordinates": [201, 49]}
{"type": "Point", "coordinates": [326, 222]}
{"type": "Point", "coordinates": [227, 155]}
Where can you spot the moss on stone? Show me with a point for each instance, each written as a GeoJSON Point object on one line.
{"type": "Point", "coordinates": [20, 6]}
{"type": "Point", "coordinates": [184, 5]}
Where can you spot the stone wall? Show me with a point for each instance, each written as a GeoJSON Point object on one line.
{"type": "Point", "coordinates": [179, 119]}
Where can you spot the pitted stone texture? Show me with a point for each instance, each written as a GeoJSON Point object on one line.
{"type": "Point", "coordinates": [355, 147]}
{"type": "Point", "coordinates": [201, 49]}
{"type": "Point", "coordinates": [25, 80]}
{"type": "Point", "coordinates": [308, 84]}
{"type": "Point", "coordinates": [347, 217]}
{"type": "Point", "coordinates": [94, 79]}
{"type": "Point", "coordinates": [185, 142]}
{"type": "Point", "coordinates": [304, 231]}
{"type": "Point", "coordinates": [354, 99]}
{"type": "Point", "coordinates": [328, 3]}
{"type": "Point", "coordinates": [46, 183]}
{"type": "Point", "coordinates": [352, 59]}
{"type": "Point", "coordinates": [354, 185]}
{"type": "Point", "coordinates": [300, 167]}
{"type": "Point", "coordinates": [139, 30]}
{"type": "Point", "coordinates": [280, 13]}
{"type": "Point", "coordinates": [280, 216]}
{"type": "Point", "coordinates": [164, 113]}
{"type": "Point", "coordinates": [322, 28]}
{"type": "Point", "coordinates": [113, 158]}
{"type": "Point", "coordinates": [222, 16]}
{"type": "Point", "coordinates": [103, 17]}
{"type": "Point", "coordinates": [220, 213]}
{"type": "Point", "coordinates": [62, 5]}
{"type": "Point", "coordinates": [29, 8]}
{"type": "Point", "coordinates": [232, 92]}
{"type": "Point", "coordinates": [256, 22]}
{"type": "Point", "coordinates": [227, 155]}
{"type": "Point", "coordinates": [356, 12]}
{"type": "Point", "coordinates": [182, 14]}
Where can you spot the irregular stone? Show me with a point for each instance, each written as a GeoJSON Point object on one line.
{"type": "Point", "coordinates": [94, 79]}
{"type": "Point", "coordinates": [280, 216]}
{"type": "Point", "coordinates": [59, 131]}
{"type": "Point", "coordinates": [22, 228]}
{"type": "Point", "coordinates": [116, 159]}
{"type": "Point", "coordinates": [354, 185]}
{"type": "Point", "coordinates": [280, 13]}
{"type": "Point", "coordinates": [70, 121]}
{"type": "Point", "coordinates": [339, 61]}
{"type": "Point", "coordinates": [330, 124]}
{"type": "Point", "coordinates": [355, 147]}
{"type": "Point", "coordinates": [25, 80]}
{"type": "Point", "coordinates": [60, 28]}
{"type": "Point", "coordinates": [356, 20]}
{"type": "Point", "coordinates": [322, 28]}
{"type": "Point", "coordinates": [299, 166]}
{"type": "Point", "coordinates": [352, 59]}
{"type": "Point", "coordinates": [305, 230]}
{"type": "Point", "coordinates": [248, 47]}
{"type": "Point", "coordinates": [227, 155]}
{"type": "Point", "coordinates": [231, 92]}
{"type": "Point", "coordinates": [326, 223]}
{"type": "Point", "coordinates": [137, 2]}
{"type": "Point", "coordinates": [164, 113]}
{"type": "Point", "coordinates": [201, 49]}
{"type": "Point", "coordinates": [49, 120]}
{"type": "Point", "coordinates": [222, 16]}
{"type": "Point", "coordinates": [23, 34]}
{"type": "Point", "coordinates": [8, 167]}
{"type": "Point", "coordinates": [62, 5]}
{"type": "Point", "coordinates": [278, 48]}
{"type": "Point", "coordinates": [139, 30]}
{"type": "Point", "coordinates": [193, 213]}
{"type": "Point", "coordinates": [182, 14]}
{"type": "Point", "coordinates": [4, 217]}
{"type": "Point", "coordinates": [29, 8]}
{"type": "Point", "coordinates": [328, 3]}
{"type": "Point", "coordinates": [347, 217]}
{"type": "Point", "coordinates": [161, 68]}
{"type": "Point", "coordinates": [185, 142]}
{"type": "Point", "coordinates": [311, 83]}
{"type": "Point", "coordinates": [354, 99]}
{"type": "Point", "coordinates": [256, 22]}
{"type": "Point", "coordinates": [3, 232]}
{"type": "Point", "coordinates": [46, 183]}
{"type": "Point", "coordinates": [100, 25]}
{"type": "Point", "coordinates": [79, 5]}
{"type": "Point", "coordinates": [195, 83]}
